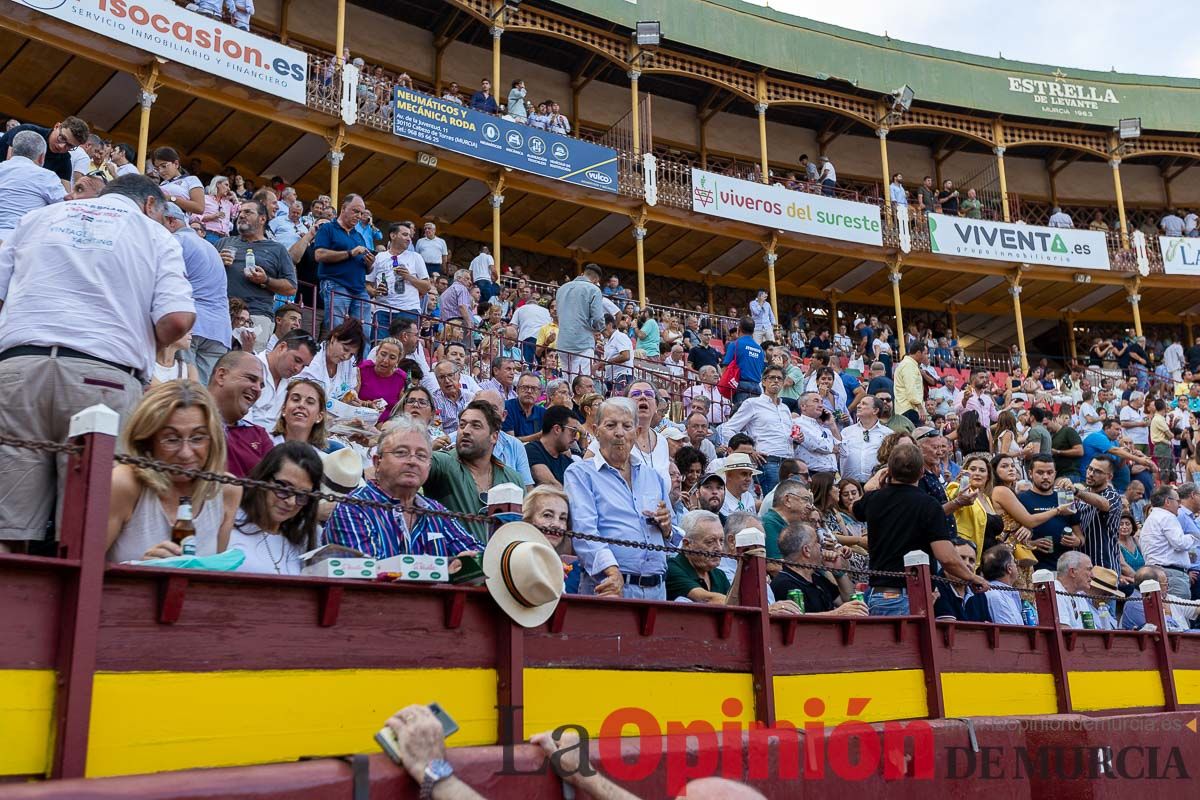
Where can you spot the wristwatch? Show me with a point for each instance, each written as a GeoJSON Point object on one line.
{"type": "Point", "coordinates": [436, 771]}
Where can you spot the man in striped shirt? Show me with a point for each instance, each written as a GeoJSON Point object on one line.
{"type": "Point", "coordinates": [1100, 508]}
{"type": "Point", "coordinates": [402, 463]}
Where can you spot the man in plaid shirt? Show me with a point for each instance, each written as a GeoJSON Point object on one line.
{"type": "Point", "coordinates": [402, 464]}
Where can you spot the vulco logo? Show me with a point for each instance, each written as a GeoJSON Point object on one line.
{"type": "Point", "coordinates": [599, 177]}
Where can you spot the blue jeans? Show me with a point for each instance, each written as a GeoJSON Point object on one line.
{"type": "Point", "coordinates": [529, 350]}
{"type": "Point", "coordinates": [770, 476]}
{"type": "Point", "coordinates": [343, 305]}
{"type": "Point", "coordinates": [827, 187]}
{"type": "Point", "coordinates": [745, 390]}
{"type": "Point", "coordinates": [383, 321]}
{"type": "Point", "coordinates": [880, 606]}
{"type": "Point", "coordinates": [487, 290]}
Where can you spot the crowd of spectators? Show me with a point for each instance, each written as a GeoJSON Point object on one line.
{"type": "Point", "coordinates": [439, 376]}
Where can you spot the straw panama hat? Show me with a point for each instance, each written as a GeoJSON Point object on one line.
{"type": "Point", "coordinates": [737, 461]}
{"type": "Point", "coordinates": [523, 573]}
{"type": "Point", "coordinates": [343, 471]}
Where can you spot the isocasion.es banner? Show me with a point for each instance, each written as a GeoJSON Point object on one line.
{"type": "Point", "coordinates": [1022, 244]}
{"type": "Point", "coordinates": [785, 209]}
{"type": "Point", "coordinates": [463, 130]}
{"type": "Point", "coordinates": [168, 30]}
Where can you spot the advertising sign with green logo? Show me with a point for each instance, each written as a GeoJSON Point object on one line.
{"type": "Point", "coordinates": [1022, 244]}
{"type": "Point", "coordinates": [784, 209]}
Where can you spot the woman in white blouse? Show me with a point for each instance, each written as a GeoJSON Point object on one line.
{"type": "Point", "coordinates": [273, 526]}
{"type": "Point", "coordinates": [186, 191]}
{"type": "Point", "coordinates": [335, 365]}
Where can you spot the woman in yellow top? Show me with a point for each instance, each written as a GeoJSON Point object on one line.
{"type": "Point", "coordinates": [978, 523]}
{"type": "Point", "coordinates": [1160, 441]}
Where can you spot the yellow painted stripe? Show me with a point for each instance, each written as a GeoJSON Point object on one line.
{"type": "Point", "coordinates": [154, 721]}
{"type": "Point", "coordinates": [586, 697]}
{"type": "Point", "coordinates": [1093, 691]}
{"type": "Point", "coordinates": [1187, 686]}
{"type": "Point", "coordinates": [892, 694]}
{"type": "Point", "coordinates": [26, 720]}
{"type": "Point", "coordinates": [998, 694]}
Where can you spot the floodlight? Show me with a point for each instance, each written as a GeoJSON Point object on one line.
{"type": "Point", "coordinates": [647, 35]}
{"type": "Point", "coordinates": [1129, 128]}
{"type": "Point", "coordinates": [902, 98]}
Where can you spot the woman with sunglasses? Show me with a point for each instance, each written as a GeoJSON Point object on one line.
{"type": "Point", "coordinates": [274, 526]}
{"type": "Point", "coordinates": [652, 447]}
{"type": "Point", "coordinates": [176, 423]}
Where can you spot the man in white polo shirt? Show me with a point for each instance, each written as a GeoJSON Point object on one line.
{"type": "Point", "coordinates": [398, 280]}
{"type": "Point", "coordinates": [89, 290]}
{"type": "Point", "coordinates": [433, 250]}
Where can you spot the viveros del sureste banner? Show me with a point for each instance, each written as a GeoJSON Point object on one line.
{"type": "Point", "coordinates": [785, 209]}
{"type": "Point", "coordinates": [168, 30]}
{"type": "Point", "coordinates": [1023, 244]}
{"type": "Point", "coordinates": [1180, 256]}
{"type": "Point", "coordinates": [451, 126]}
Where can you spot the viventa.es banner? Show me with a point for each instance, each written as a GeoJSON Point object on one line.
{"type": "Point", "coordinates": [1023, 244]}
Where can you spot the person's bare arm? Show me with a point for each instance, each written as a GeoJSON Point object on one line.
{"type": "Point", "coordinates": [543, 476]}
{"type": "Point", "coordinates": [943, 551]}
{"type": "Point", "coordinates": [419, 740]}
{"type": "Point", "coordinates": [564, 757]}
{"type": "Point", "coordinates": [173, 326]}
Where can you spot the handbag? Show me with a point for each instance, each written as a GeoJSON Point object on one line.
{"type": "Point", "coordinates": [727, 385]}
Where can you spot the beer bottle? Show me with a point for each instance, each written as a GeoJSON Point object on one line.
{"type": "Point", "coordinates": [184, 531]}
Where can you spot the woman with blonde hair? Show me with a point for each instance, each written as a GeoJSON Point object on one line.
{"type": "Point", "coordinates": [547, 507]}
{"type": "Point", "coordinates": [978, 523]}
{"type": "Point", "coordinates": [178, 424]}
{"type": "Point", "coordinates": [220, 210]}
{"type": "Point", "coordinates": [1017, 520]}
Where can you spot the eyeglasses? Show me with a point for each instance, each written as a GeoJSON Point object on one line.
{"type": "Point", "coordinates": [404, 454]}
{"type": "Point", "coordinates": [641, 393]}
{"type": "Point", "coordinates": [284, 494]}
{"type": "Point", "coordinates": [174, 443]}
{"type": "Point", "coordinates": [419, 402]}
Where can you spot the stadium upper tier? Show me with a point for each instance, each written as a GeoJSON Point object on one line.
{"type": "Point", "coordinates": [727, 104]}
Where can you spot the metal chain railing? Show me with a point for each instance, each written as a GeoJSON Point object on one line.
{"type": "Point", "coordinates": [283, 488]}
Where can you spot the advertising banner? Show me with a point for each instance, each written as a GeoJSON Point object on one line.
{"type": "Point", "coordinates": [1022, 244]}
{"type": "Point", "coordinates": [785, 209]}
{"type": "Point", "coordinates": [1180, 256]}
{"type": "Point", "coordinates": [165, 29]}
{"type": "Point", "coordinates": [455, 127]}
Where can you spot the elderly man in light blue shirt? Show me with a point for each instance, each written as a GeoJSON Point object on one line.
{"type": "Point", "coordinates": [617, 496]}
{"type": "Point", "coordinates": [24, 183]}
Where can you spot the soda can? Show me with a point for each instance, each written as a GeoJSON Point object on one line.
{"type": "Point", "coordinates": [1089, 620]}
{"type": "Point", "coordinates": [797, 597]}
{"type": "Point", "coordinates": [859, 596]}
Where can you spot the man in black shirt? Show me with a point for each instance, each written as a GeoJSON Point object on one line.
{"type": "Point", "coordinates": [549, 454]}
{"type": "Point", "coordinates": [948, 199]}
{"type": "Point", "coordinates": [901, 519]}
{"type": "Point", "coordinates": [60, 141]}
{"type": "Point", "coordinates": [798, 543]}
{"type": "Point", "coordinates": [704, 354]}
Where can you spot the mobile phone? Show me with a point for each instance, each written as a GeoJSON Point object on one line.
{"type": "Point", "coordinates": [386, 737]}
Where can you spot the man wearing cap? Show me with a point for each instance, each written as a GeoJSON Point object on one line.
{"type": "Point", "coordinates": [710, 494]}
{"type": "Point", "coordinates": [769, 422]}
{"type": "Point", "coordinates": [738, 471]}
{"type": "Point", "coordinates": [402, 462]}
{"type": "Point", "coordinates": [580, 318]}
{"type": "Point", "coordinates": [624, 500]}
